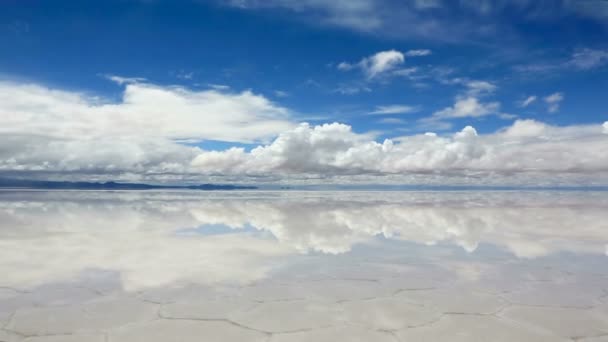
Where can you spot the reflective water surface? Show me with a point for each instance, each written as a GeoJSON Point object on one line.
{"type": "Point", "coordinates": [303, 266]}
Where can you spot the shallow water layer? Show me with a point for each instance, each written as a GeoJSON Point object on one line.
{"type": "Point", "coordinates": [303, 266]}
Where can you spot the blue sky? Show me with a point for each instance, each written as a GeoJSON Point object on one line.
{"type": "Point", "coordinates": [387, 69]}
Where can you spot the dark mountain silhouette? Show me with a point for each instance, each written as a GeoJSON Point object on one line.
{"type": "Point", "coordinates": [36, 184]}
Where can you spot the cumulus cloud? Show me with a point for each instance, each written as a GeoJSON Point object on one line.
{"type": "Point", "coordinates": [553, 102]}
{"type": "Point", "coordinates": [145, 110]}
{"type": "Point", "coordinates": [51, 133]}
{"type": "Point", "coordinates": [333, 149]}
{"type": "Point", "coordinates": [377, 64]}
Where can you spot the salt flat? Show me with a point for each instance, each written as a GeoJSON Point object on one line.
{"type": "Point", "coordinates": [303, 266]}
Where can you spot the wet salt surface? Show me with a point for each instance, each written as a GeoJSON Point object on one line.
{"type": "Point", "coordinates": [303, 266]}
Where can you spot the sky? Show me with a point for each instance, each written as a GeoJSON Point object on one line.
{"type": "Point", "coordinates": [476, 92]}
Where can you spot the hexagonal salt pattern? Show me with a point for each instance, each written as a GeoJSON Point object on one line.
{"type": "Point", "coordinates": [186, 331]}
{"type": "Point", "coordinates": [68, 338]}
{"type": "Point", "coordinates": [344, 333]}
{"type": "Point", "coordinates": [569, 323]}
{"type": "Point", "coordinates": [473, 328]}
{"type": "Point", "coordinates": [290, 316]}
{"type": "Point", "coordinates": [96, 316]}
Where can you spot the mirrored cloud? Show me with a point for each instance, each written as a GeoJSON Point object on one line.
{"type": "Point", "coordinates": [159, 239]}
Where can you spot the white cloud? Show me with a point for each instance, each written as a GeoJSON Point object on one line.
{"type": "Point", "coordinates": [124, 80]}
{"type": "Point", "coordinates": [442, 20]}
{"type": "Point", "coordinates": [427, 4]}
{"type": "Point", "coordinates": [582, 60]}
{"type": "Point", "coordinates": [553, 102]}
{"type": "Point", "coordinates": [473, 87]}
{"type": "Point", "coordinates": [184, 75]}
{"type": "Point", "coordinates": [333, 149]}
{"type": "Point", "coordinates": [394, 109]}
{"type": "Point", "coordinates": [507, 116]}
{"type": "Point", "coordinates": [406, 72]}
{"type": "Point", "coordinates": [360, 15]}
{"type": "Point", "coordinates": [528, 101]}
{"type": "Point", "coordinates": [352, 89]}
{"type": "Point", "coordinates": [476, 88]}
{"type": "Point", "coordinates": [467, 107]}
{"type": "Point", "coordinates": [145, 110]}
{"type": "Point", "coordinates": [382, 62]}
{"type": "Point", "coordinates": [605, 126]}
{"type": "Point", "coordinates": [281, 93]}
{"type": "Point", "coordinates": [526, 128]}
{"type": "Point", "coordinates": [219, 87]}
{"type": "Point", "coordinates": [392, 121]}
{"type": "Point", "coordinates": [434, 124]}
{"type": "Point", "coordinates": [418, 53]}
{"type": "Point", "coordinates": [52, 133]}
{"type": "Point", "coordinates": [344, 66]}
{"type": "Point", "coordinates": [377, 64]}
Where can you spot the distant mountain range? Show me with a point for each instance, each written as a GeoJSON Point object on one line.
{"type": "Point", "coordinates": [35, 184]}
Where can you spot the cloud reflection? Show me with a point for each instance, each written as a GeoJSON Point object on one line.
{"type": "Point", "coordinates": [47, 237]}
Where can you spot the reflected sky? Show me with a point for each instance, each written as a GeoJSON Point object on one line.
{"type": "Point", "coordinates": [159, 239]}
{"type": "Point", "coordinates": [302, 266]}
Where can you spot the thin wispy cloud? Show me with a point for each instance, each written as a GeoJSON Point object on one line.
{"type": "Point", "coordinates": [220, 87]}
{"type": "Point", "coordinates": [581, 60]}
{"type": "Point", "coordinates": [352, 88]}
{"type": "Point", "coordinates": [281, 93]}
{"type": "Point", "coordinates": [528, 101]}
{"type": "Point", "coordinates": [418, 53]}
{"type": "Point", "coordinates": [123, 80]}
{"type": "Point", "coordinates": [477, 88]}
{"type": "Point", "coordinates": [452, 21]}
{"type": "Point", "coordinates": [184, 75]}
{"type": "Point", "coordinates": [392, 121]}
{"type": "Point", "coordinates": [394, 109]}
{"type": "Point", "coordinates": [586, 59]}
